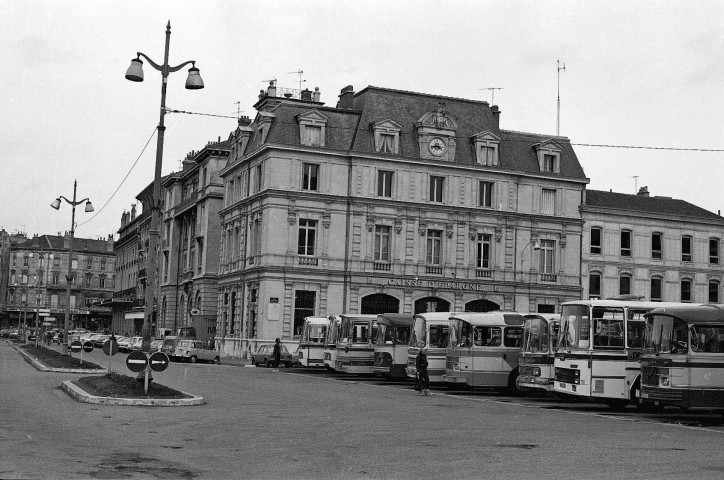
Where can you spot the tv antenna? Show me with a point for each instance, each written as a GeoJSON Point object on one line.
{"type": "Point", "coordinates": [238, 109]}
{"type": "Point", "coordinates": [299, 72]}
{"type": "Point", "coordinates": [492, 92]}
{"type": "Point", "coordinates": [558, 111]}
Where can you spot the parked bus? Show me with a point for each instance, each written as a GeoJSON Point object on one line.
{"type": "Point", "coordinates": [429, 330]}
{"type": "Point", "coordinates": [312, 341]}
{"type": "Point", "coordinates": [535, 365]}
{"type": "Point", "coordinates": [393, 339]}
{"type": "Point", "coordinates": [483, 349]}
{"type": "Point", "coordinates": [682, 363]}
{"type": "Point", "coordinates": [355, 345]}
{"type": "Point", "coordinates": [599, 345]}
{"type": "Point", "coordinates": [330, 342]}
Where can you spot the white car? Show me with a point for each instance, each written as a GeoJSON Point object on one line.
{"type": "Point", "coordinates": [124, 345]}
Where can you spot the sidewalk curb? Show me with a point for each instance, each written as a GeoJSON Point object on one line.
{"type": "Point", "coordinates": [80, 395]}
{"type": "Point", "coordinates": [41, 366]}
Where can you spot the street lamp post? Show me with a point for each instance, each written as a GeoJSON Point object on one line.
{"type": "Point", "coordinates": [193, 82]}
{"type": "Point", "coordinates": [69, 276]}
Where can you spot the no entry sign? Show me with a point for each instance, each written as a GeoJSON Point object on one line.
{"type": "Point", "coordinates": [136, 361]}
{"type": "Point", "coordinates": [87, 347]}
{"type": "Point", "coordinates": [75, 346]}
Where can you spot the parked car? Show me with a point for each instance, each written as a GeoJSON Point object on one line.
{"type": "Point", "coordinates": [99, 340]}
{"type": "Point", "coordinates": [265, 356]}
{"type": "Point", "coordinates": [195, 351]}
{"type": "Point", "coordinates": [5, 333]}
{"type": "Point", "coordinates": [125, 344]}
{"type": "Point", "coordinates": [156, 345]}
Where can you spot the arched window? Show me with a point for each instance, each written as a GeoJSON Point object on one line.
{"type": "Point", "coordinates": [431, 304]}
{"type": "Point", "coordinates": [481, 305]}
{"type": "Point", "coordinates": [713, 291]}
{"type": "Point", "coordinates": [686, 290]}
{"type": "Point", "coordinates": [656, 289]}
{"type": "Point", "coordinates": [594, 285]}
{"type": "Point", "coordinates": [379, 303]}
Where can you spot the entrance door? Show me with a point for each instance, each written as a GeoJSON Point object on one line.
{"type": "Point", "coordinates": [431, 304]}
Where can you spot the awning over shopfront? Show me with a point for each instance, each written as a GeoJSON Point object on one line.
{"type": "Point", "coordinates": [133, 315]}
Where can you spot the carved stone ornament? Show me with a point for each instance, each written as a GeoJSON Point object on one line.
{"type": "Point", "coordinates": [398, 226]}
{"type": "Point", "coordinates": [422, 228]}
{"type": "Point", "coordinates": [326, 220]}
{"type": "Point", "coordinates": [473, 233]}
{"type": "Point", "coordinates": [292, 217]}
{"type": "Point", "coordinates": [498, 234]}
{"type": "Point", "coordinates": [449, 230]}
{"type": "Point", "coordinates": [370, 223]}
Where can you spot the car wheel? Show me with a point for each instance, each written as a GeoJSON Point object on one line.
{"type": "Point", "coordinates": [215, 361]}
{"type": "Point", "coordinates": [193, 359]}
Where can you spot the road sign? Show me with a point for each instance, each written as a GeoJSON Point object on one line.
{"type": "Point", "coordinates": [87, 347]}
{"type": "Point", "coordinates": [136, 361]}
{"type": "Point", "coordinates": [75, 346]}
{"type": "Point", "coordinates": [110, 347]}
{"type": "Point", "coordinates": [158, 361]}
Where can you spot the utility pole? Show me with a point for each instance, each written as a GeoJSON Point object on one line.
{"type": "Point", "coordinates": [558, 114]}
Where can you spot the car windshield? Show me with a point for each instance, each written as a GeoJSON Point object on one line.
{"type": "Point", "coordinates": [535, 335]}
{"type": "Point", "coordinates": [575, 326]}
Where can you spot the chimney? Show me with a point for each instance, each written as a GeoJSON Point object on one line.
{"type": "Point", "coordinates": [244, 121]}
{"type": "Point", "coordinates": [316, 95]}
{"type": "Point", "coordinates": [306, 95]}
{"type": "Point", "coordinates": [133, 212]}
{"type": "Point", "coordinates": [643, 191]}
{"type": "Point", "coordinates": [271, 90]}
{"type": "Point", "coordinates": [66, 240]}
{"type": "Point", "coordinates": [345, 98]}
{"type": "Point", "coordinates": [109, 243]}
{"type": "Point", "coordinates": [496, 115]}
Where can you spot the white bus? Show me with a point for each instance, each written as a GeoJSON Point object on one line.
{"type": "Point", "coordinates": [682, 363]}
{"type": "Point", "coordinates": [355, 345]}
{"type": "Point", "coordinates": [393, 339]}
{"type": "Point", "coordinates": [483, 349]}
{"type": "Point", "coordinates": [599, 345]}
{"type": "Point", "coordinates": [429, 330]}
{"type": "Point", "coordinates": [330, 342]}
{"type": "Point", "coordinates": [535, 365]}
{"type": "Point", "coordinates": [312, 341]}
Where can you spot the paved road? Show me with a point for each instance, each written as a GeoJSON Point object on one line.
{"type": "Point", "coordinates": [258, 423]}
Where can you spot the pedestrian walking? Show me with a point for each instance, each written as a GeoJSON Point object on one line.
{"type": "Point", "coordinates": [277, 353]}
{"type": "Point", "coordinates": [422, 377]}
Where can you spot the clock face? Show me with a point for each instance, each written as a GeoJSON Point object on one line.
{"type": "Point", "coordinates": [436, 147]}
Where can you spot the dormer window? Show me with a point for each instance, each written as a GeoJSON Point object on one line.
{"type": "Point", "coordinates": [264, 121]}
{"type": "Point", "coordinates": [486, 149]}
{"type": "Point", "coordinates": [387, 136]}
{"type": "Point", "coordinates": [549, 156]}
{"type": "Point", "coordinates": [312, 128]}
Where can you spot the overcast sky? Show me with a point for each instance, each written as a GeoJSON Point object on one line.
{"type": "Point", "coordinates": [645, 73]}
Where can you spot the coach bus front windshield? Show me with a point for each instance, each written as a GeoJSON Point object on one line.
{"type": "Point", "coordinates": [535, 336]}
{"type": "Point", "coordinates": [665, 334]}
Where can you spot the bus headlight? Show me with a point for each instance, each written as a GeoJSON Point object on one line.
{"type": "Point", "coordinates": [535, 371]}
{"type": "Point", "coordinates": [664, 382]}
{"type": "Point", "coordinates": [301, 354]}
{"type": "Point", "coordinates": [456, 366]}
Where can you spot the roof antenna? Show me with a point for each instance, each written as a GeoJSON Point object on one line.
{"type": "Point", "coordinates": [299, 72]}
{"type": "Point", "coordinates": [492, 91]}
{"type": "Point", "coordinates": [558, 114]}
{"type": "Point", "coordinates": [238, 111]}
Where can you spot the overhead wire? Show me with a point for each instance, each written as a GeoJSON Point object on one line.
{"type": "Point", "coordinates": [155, 129]}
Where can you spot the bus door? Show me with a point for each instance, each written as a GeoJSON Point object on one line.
{"type": "Point", "coordinates": [608, 371]}
{"type": "Point", "coordinates": [487, 341]}
{"type": "Point", "coordinates": [512, 340]}
{"type": "Point", "coordinates": [465, 362]}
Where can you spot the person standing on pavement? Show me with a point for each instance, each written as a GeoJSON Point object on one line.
{"type": "Point", "coordinates": [422, 375]}
{"type": "Point", "coordinates": [277, 353]}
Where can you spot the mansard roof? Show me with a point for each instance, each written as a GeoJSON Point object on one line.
{"type": "Point", "coordinates": [350, 129]}
{"type": "Point", "coordinates": [641, 204]}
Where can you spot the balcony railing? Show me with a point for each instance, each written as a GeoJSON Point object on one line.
{"type": "Point", "coordinates": [548, 277]}
{"type": "Point", "coordinates": [433, 270]}
{"type": "Point", "coordinates": [308, 261]}
{"type": "Point", "coordinates": [382, 266]}
{"type": "Point", "coordinates": [483, 273]}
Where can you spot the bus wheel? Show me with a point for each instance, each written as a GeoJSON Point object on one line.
{"type": "Point", "coordinates": [513, 387]}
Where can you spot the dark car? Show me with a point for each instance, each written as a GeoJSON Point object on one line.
{"type": "Point", "coordinates": [265, 356]}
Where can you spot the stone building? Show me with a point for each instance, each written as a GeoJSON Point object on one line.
{"type": "Point", "coordinates": [391, 201]}
{"type": "Point", "coordinates": [130, 289]}
{"type": "Point", "coordinates": [657, 248]}
{"type": "Point", "coordinates": [37, 283]}
{"type": "Point", "coordinates": [190, 236]}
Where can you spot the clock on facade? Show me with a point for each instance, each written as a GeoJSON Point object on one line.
{"type": "Point", "coordinates": [436, 147]}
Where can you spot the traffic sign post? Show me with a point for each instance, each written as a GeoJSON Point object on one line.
{"type": "Point", "coordinates": [110, 348]}
{"type": "Point", "coordinates": [136, 361]}
{"type": "Point", "coordinates": [87, 347]}
{"type": "Point", "coordinates": [158, 361]}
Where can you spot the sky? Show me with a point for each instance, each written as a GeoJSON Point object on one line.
{"type": "Point", "coordinates": [638, 74]}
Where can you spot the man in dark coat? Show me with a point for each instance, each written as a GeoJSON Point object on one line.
{"type": "Point", "coordinates": [422, 376]}
{"type": "Point", "coordinates": [277, 353]}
